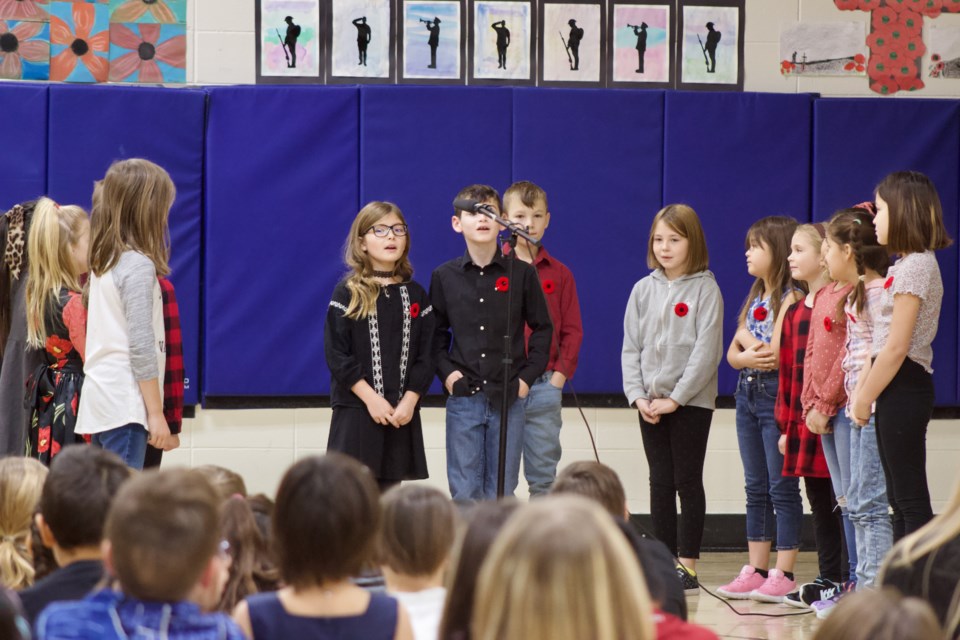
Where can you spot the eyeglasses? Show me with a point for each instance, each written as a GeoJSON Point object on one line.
{"type": "Point", "coordinates": [383, 230]}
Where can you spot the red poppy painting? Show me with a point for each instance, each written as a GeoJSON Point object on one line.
{"type": "Point", "coordinates": [80, 42]}
{"type": "Point", "coordinates": [152, 11]}
{"type": "Point", "coordinates": [23, 10]}
{"type": "Point", "coordinates": [24, 50]}
{"type": "Point", "coordinates": [148, 53]}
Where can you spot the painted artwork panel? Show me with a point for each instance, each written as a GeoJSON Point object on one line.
{"type": "Point", "coordinates": [708, 58]}
{"type": "Point", "coordinates": [501, 40]}
{"type": "Point", "coordinates": [149, 11]}
{"type": "Point", "coordinates": [431, 39]}
{"type": "Point", "coordinates": [148, 53]}
{"type": "Point", "coordinates": [944, 52]}
{"type": "Point", "coordinates": [290, 48]}
{"type": "Point", "coordinates": [823, 49]}
{"type": "Point", "coordinates": [79, 42]}
{"type": "Point", "coordinates": [641, 43]}
{"type": "Point", "coordinates": [31, 10]}
{"type": "Point", "coordinates": [24, 50]}
{"type": "Point", "coordinates": [572, 42]}
{"type": "Point", "coordinates": [361, 38]}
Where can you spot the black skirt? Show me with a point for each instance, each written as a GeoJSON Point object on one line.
{"type": "Point", "coordinates": [392, 454]}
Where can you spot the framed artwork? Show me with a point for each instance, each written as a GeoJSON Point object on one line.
{"type": "Point", "coordinates": [28, 10]}
{"type": "Point", "coordinates": [642, 43]}
{"type": "Point", "coordinates": [26, 51]}
{"type": "Point", "coordinates": [288, 37]}
{"type": "Point", "coordinates": [79, 42]}
{"type": "Point", "coordinates": [572, 41]}
{"type": "Point", "coordinates": [361, 41]}
{"type": "Point", "coordinates": [823, 49]}
{"type": "Point", "coordinates": [432, 38]}
{"type": "Point", "coordinates": [710, 34]}
{"type": "Point", "coordinates": [944, 52]}
{"type": "Point", "coordinates": [501, 42]}
{"type": "Point", "coordinates": [149, 11]}
{"type": "Point", "coordinates": [148, 53]}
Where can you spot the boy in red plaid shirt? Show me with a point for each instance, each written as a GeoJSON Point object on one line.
{"type": "Point", "coordinates": [173, 373]}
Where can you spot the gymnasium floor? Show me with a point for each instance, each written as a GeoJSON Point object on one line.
{"type": "Point", "coordinates": [716, 569]}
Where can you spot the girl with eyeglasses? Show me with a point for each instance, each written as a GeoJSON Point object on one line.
{"type": "Point", "coordinates": [377, 343]}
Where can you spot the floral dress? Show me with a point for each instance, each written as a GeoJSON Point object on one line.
{"type": "Point", "coordinates": [53, 391]}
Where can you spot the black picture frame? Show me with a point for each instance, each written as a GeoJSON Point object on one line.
{"type": "Point", "coordinates": [529, 50]}
{"type": "Point", "coordinates": [321, 50]}
{"type": "Point", "coordinates": [401, 30]}
{"type": "Point", "coordinates": [330, 52]}
{"type": "Point", "coordinates": [543, 38]}
{"type": "Point", "coordinates": [685, 84]}
{"type": "Point", "coordinates": [671, 45]}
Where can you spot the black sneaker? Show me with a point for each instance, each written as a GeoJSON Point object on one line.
{"type": "Point", "coordinates": [819, 589]}
{"type": "Point", "coordinates": [689, 580]}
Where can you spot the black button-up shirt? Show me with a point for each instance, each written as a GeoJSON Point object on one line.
{"type": "Point", "coordinates": [470, 303]}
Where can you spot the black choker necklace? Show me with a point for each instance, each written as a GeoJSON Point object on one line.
{"type": "Point", "coordinates": [382, 274]}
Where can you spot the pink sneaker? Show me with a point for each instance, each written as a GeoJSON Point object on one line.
{"type": "Point", "coordinates": [774, 588]}
{"type": "Point", "coordinates": [743, 585]}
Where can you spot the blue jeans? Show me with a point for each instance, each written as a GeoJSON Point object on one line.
{"type": "Point", "coordinates": [129, 442]}
{"type": "Point", "coordinates": [836, 449]}
{"type": "Point", "coordinates": [541, 435]}
{"type": "Point", "coordinates": [867, 503]}
{"type": "Point", "coordinates": [772, 498]}
{"type": "Point", "coordinates": [473, 447]}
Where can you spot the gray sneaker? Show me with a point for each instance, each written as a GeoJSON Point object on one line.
{"type": "Point", "coordinates": [689, 581]}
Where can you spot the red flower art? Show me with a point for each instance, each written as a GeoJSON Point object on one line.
{"type": "Point", "coordinates": [415, 310]}
{"type": "Point", "coordinates": [885, 17]}
{"type": "Point", "coordinates": [681, 309]}
{"type": "Point", "coordinates": [43, 440]}
{"type": "Point", "coordinates": [932, 8]}
{"type": "Point", "coordinates": [502, 284]}
{"type": "Point", "coordinates": [828, 324]}
{"type": "Point", "coordinates": [146, 52]}
{"type": "Point", "coordinates": [83, 45]}
{"type": "Point", "coordinates": [760, 313]}
{"type": "Point", "coordinates": [847, 5]}
{"type": "Point", "coordinates": [549, 287]}
{"type": "Point", "coordinates": [869, 5]}
{"type": "Point", "coordinates": [888, 283]}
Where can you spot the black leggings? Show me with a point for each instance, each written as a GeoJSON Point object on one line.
{"type": "Point", "coordinates": [827, 528]}
{"type": "Point", "coordinates": [675, 449]}
{"type": "Point", "coordinates": [903, 413]}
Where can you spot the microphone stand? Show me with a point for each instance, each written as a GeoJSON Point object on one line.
{"type": "Point", "coordinates": [507, 360]}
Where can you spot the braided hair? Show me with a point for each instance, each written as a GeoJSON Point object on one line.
{"type": "Point", "coordinates": [855, 227]}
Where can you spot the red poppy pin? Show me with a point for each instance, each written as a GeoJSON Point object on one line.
{"type": "Point", "coordinates": [502, 284]}
{"type": "Point", "coordinates": [414, 309]}
{"type": "Point", "coordinates": [681, 309]}
{"type": "Point", "coordinates": [549, 287]}
{"type": "Point", "coordinates": [828, 324]}
{"type": "Point", "coordinates": [760, 313]}
{"type": "Point", "coordinates": [888, 283]}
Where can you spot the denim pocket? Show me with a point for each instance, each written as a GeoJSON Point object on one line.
{"type": "Point", "coordinates": [769, 388]}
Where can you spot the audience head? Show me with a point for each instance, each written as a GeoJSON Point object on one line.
{"type": "Point", "coordinates": [880, 615]}
{"type": "Point", "coordinates": [227, 483]}
{"type": "Point", "coordinates": [21, 483]}
{"type": "Point", "coordinates": [325, 521]}
{"type": "Point", "coordinates": [561, 570]}
{"type": "Point", "coordinates": [262, 508]}
{"type": "Point", "coordinates": [77, 496]}
{"type": "Point", "coordinates": [419, 524]}
{"type": "Point", "coordinates": [483, 522]}
{"type": "Point", "coordinates": [162, 536]}
{"type": "Point", "coordinates": [251, 568]}
{"type": "Point", "coordinates": [596, 481]}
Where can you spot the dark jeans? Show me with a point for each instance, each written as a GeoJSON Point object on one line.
{"type": "Point", "coordinates": [903, 413]}
{"type": "Point", "coordinates": [827, 527]}
{"type": "Point", "coordinates": [675, 449]}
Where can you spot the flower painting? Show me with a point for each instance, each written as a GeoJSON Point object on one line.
{"type": "Point", "coordinates": [35, 10]}
{"type": "Point", "coordinates": [150, 11]}
{"type": "Point", "coordinates": [24, 50]}
{"type": "Point", "coordinates": [80, 42]}
{"type": "Point", "coordinates": [148, 53]}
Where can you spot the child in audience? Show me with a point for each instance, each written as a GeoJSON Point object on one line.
{"type": "Point", "coordinates": [483, 522]}
{"type": "Point", "coordinates": [325, 527]}
{"type": "Point", "coordinates": [13, 626]}
{"type": "Point", "coordinates": [227, 482]}
{"type": "Point", "coordinates": [470, 295]}
{"type": "Point", "coordinates": [252, 569]}
{"type": "Point", "coordinates": [76, 497]}
{"type": "Point", "coordinates": [416, 538]}
{"type": "Point", "coordinates": [525, 203]}
{"type": "Point", "coordinates": [21, 482]}
{"type": "Point", "coordinates": [899, 378]}
{"type": "Point", "coordinates": [672, 346]}
{"type": "Point", "coordinates": [56, 324]}
{"type": "Point", "coordinates": [560, 570]}
{"type": "Point", "coordinates": [773, 500]}
{"type": "Point", "coordinates": [880, 615]}
{"type": "Point", "coordinates": [121, 406]}
{"type": "Point", "coordinates": [162, 548]}
{"type": "Point", "coordinates": [801, 448]}
{"type": "Point", "coordinates": [377, 341]}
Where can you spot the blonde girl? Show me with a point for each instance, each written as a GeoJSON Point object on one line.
{"type": "Point", "coordinates": [377, 338]}
{"type": "Point", "coordinates": [909, 223]}
{"type": "Point", "coordinates": [771, 496]}
{"type": "Point", "coordinates": [562, 570]}
{"type": "Point", "coordinates": [121, 406]}
{"type": "Point", "coordinates": [672, 346]}
{"type": "Point", "coordinates": [21, 482]}
{"type": "Point", "coordinates": [56, 324]}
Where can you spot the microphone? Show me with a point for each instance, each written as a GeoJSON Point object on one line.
{"type": "Point", "coordinates": [466, 204]}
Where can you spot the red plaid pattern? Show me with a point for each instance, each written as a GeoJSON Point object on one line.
{"type": "Point", "coordinates": [174, 374]}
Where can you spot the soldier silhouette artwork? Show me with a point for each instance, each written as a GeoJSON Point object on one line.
{"type": "Point", "coordinates": [503, 41]}
{"type": "Point", "coordinates": [573, 44]}
{"type": "Point", "coordinates": [290, 41]}
{"type": "Point", "coordinates": [433, 41]}
{"type": "Point", "coordinates": [713, 39]}
{"type": "Point", "coordinates": [364, 35]}
{"type": "Point", "coordinates": [641, 33]}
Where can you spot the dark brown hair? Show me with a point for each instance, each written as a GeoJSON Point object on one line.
{"type": "Point", "coordinates": [163, 529]}
{"type": "Point", "coordinates": [915, 213]}
{"type": "Point", "coordinates": [419, 524]}
{"type": "Point", "coordinates": [252, 568]}
{"type": "Point", "coordinates": [775, 232]}
{"type": "Point", "coordinates": [480, 193]}
{"type": "Point", "coordinates": [855, 227]}
{"type": "Point", "coordinates": [326, 520]}
{"type": "Point", "coordinates": [596, 481]}
{"type": "Point", "coordinates": [527, 192]}
{"type": "Point", "coordinates": [78, 493]}
{"type": "Point", "coordinates": [684, 220]}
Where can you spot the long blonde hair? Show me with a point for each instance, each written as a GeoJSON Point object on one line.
{"type": "Point", "coordinates": [55, 231]}
{"type": "Point", "coordinates": [131, 212]}
{"type": "Point", "coordinates": [562, 570]}
{"type": "Point", "coordinates": [361, 284]}
{"type": "Point", "coordinates": [21, 483]}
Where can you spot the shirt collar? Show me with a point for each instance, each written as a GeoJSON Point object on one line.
{"type": "Point", "coordinates": [466, 261]}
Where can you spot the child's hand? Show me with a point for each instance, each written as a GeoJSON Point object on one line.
{"type": "Point", "coordinates": [403, 414]}
{"type": "Point", "coordinates": [860, 411]}
{"type": "Point", "coordinates": [759, 356]}
{"type": "Point", "coordinates": [524, 389]}
{"type": "Point", "coordinates": [558, 380]}
{"type": "Point", "coordinates": [158, 429]}
{"type": "Point", "coordinates": [172, 442]}
{"type": "Point", "coordinates": [663, 406]}
{"type": "Point", "coordinates": [817, 422]}
{"type": "Point", "coordinates": [453, 377]}
{"type": "Point", "coordinates": [643, 405]}
{"type": "Point", "coordinates": [782, 444]}
{"type": "Point", "coordinates": [379, 409]}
